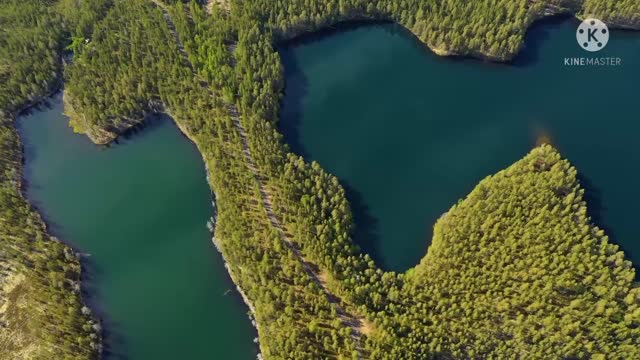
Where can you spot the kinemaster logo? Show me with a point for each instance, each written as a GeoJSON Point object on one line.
{"type": "Point", "coordinates": [592, 36]}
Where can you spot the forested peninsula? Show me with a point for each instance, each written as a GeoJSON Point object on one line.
{"type": "Point", "coordinates": [517, 269]}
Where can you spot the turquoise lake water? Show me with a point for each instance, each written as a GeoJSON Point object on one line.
{"type": "Point", "coordinates": [139, 209]}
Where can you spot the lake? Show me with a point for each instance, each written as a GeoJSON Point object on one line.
{"type": "Point", "coordinates": [409, 133]}
{"type": "Point", "coordinates": [139, 210]}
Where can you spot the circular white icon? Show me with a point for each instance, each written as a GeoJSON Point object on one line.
{"type": "Point", "coordinates": [592, 35]}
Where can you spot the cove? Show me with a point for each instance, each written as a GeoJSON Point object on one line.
{"type": "Point", "coordinates": [409, 133]}
{"type": "Point", "coordinates": [139, 210]}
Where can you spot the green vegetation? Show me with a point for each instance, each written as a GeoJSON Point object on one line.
{"type": "Point", "coordinates": [293, 315]}
{"type": "Point", "coordinates": [42, 315]}
{"type": "Point", "coordinates": [518, 268]}
{"type": "Point", "coordinates": [492, 29]}
{"type": "Point", "coordinates": [122, 73]}
{"type": "Point", "coordinates": [30, 44]}
{"type": "Point", "coordinates": [32, 38]}
{"type": "Point", "coordinates": [515, 270]}
{"type": "Point", "coordinates": [620, 13]}
{"type": "Point", "coordinates": [234, 53]}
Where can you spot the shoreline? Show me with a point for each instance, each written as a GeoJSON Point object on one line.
{"type": "Point", "coordinates": [23, 185]}
{"type": "Point", "coordinates": [550, 12]}
{"type": "Point", "coordinates": [161, 109]}
{"type": "Point", "coordinates": [214, 201]}
{"type": "Point", "coordinates": [98, 316]}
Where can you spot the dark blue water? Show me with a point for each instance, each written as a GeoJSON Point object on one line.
{"type": "Point", "coordinates": [409, 133]}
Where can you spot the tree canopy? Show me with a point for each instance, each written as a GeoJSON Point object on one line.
{"type": "Point", "coordinates": [516, 269]}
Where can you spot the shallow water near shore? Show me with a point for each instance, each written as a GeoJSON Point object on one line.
{"type": "Point", "coordinates": [138, 210]}
{"type": "Point", "coordinates": [409, 133]}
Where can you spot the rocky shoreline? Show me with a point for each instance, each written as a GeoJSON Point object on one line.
{"type": "Point", "coordinates": [22, 184]}
{"type": "Point", "coordinates": [104, 137]}
{"type": "Point", "coordinates": [101, 136]}
{"type": "Point", "coordinates": [211, 226]}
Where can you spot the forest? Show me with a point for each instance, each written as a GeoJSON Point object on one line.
{"type": "Point", "coordinates": [42, 313]}
{"type": "Point", "coordinates": [517, 269]}
{"type": "Point", "coordinates": [491, 29]}
{"type": "Point", "coordinates": [533, 275]}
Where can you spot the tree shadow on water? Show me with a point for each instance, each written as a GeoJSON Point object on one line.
{"type": "Point", "coordinates": [149, 123]}
{"type": "Point", "coordinates": [114, 344]}
{"type": "Point", "coordinates": [292, 104]}
{"type": "Point", "coordinates": [596, 210]}
{"type": "Point", "coordinates": [538, 33]}
{"type": "Point", "coordinates": [296, 85]}
{"type": "Point", "coordinates": [366, 232]}
{"type": "Point", "coordinates": [331, 30]}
